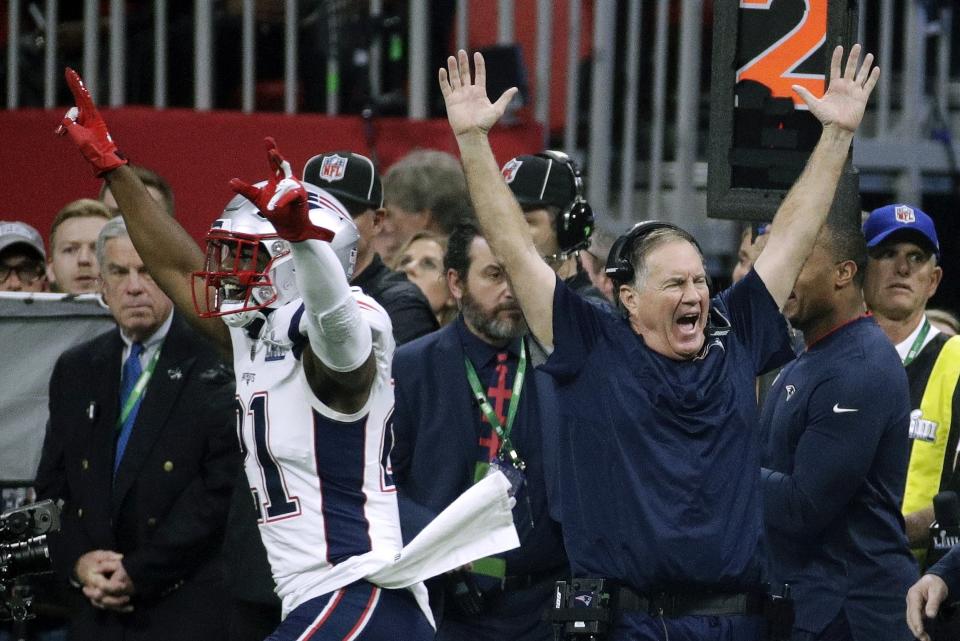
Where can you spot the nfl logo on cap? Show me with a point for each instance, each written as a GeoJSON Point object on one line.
{"type": "Point", "coordinates": [333, 168]}
{"type": "Point", "coordinates": [904, 214]}
{"type": "Point", "coordinates": [509, 170]}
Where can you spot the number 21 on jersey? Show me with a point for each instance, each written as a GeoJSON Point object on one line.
{"type": "Point", "coordinates": [278, 504]}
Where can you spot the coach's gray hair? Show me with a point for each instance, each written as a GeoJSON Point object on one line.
{"type": "Point", "coordinates": [115, 228]}
{"type": "Point", "coordinates": [642, 250]}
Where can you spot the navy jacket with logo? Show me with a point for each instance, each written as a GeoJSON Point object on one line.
{"type": "Point", "coordinates": [835, 426]}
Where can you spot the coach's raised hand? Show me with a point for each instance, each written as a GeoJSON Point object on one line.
{"type": "Point", "coordinates": [87, 129]}
{"type": "Point", "coordinates": [846, 97]}
{"type": "Point", "coordinates": [469, 110]}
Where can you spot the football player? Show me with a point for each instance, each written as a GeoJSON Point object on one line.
{"type": "Point", "coordinates": [314, 395]}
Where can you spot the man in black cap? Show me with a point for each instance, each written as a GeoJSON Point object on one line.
{"type": "Point", "coordinates": [353, 179]}
{"type": "Point", "coordinates": [549, 188]}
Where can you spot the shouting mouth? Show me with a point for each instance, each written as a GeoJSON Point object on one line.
{"type": "Point", "coordinates": [688, 322]}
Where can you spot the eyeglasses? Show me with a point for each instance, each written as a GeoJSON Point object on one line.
{"type": "Point", "coordinates": [26, 273]}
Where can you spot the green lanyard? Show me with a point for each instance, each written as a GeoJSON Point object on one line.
{"type": "Point", "coordinates": [137, 390]}
{"type": "Point", "coordinates": [917, 343]}
{"type": "Point", "coordinates": [506, 445]}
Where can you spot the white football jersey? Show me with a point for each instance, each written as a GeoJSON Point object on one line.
{"type": "Point", "coordinates": [321, 480]}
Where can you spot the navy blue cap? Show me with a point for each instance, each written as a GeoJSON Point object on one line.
{"type": "Point", "coordinates": [893, 219]}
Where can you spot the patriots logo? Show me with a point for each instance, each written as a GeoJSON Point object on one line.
{"type": "Point", "coordinates": [904, 214]}
{"type": "Point", "coordinates": [510, 170]}
{"type": "Point", "coordinates": [585, 599]}
{"type": "Point", "coordinates": [333, 168]}
{"type": "Point", "coordinates": [705, 350]}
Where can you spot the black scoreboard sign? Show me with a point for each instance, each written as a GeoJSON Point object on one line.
{"type": "Point", "coordinates": [761, 132]}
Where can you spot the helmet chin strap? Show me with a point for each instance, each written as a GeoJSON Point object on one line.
{"type": "Point", "coordinates": [246, 319]}
{"type": "Point", "coordinates": [238, 320]}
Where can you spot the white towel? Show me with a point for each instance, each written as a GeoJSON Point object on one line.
{"type": "Point", "coordinates": [478, 524]}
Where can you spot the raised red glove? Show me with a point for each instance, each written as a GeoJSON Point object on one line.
{"type": "Point", "coordinates": [88, 130]}
{"type": "Point", "coordinates": [283, 200]}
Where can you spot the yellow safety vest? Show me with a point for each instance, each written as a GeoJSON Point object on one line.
{"type": "Point", "coordinates": [927, 458]}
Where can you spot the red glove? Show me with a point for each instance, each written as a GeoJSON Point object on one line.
{"type": "Point", "coordinates": [88, 130]}
{"type": "Point", "coordinates": [283, 200]}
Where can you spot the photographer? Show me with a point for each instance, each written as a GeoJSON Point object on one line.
{"type": "Point", "coordinates": [926, 596]}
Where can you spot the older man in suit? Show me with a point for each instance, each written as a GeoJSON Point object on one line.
{"type": "Point", "coordinates": [466, 398]}
{"type": "Point", "coordinates": [140, 447]}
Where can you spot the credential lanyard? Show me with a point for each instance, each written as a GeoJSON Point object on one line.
{"type": "Point", "coordinates": [137, 390]}
{"type": "Point", "coordinates": [917, 343]}
{"type": "Point", "coordinates": [506, 445]}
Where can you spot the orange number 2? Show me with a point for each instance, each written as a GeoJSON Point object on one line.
{"type": "Point", "coordinates": [774, 66]}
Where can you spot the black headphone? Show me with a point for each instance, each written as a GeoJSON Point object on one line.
{"type": "Point", "coordinates": [619, 269]}
{"type": "Point", "coordinates": [575, 222]}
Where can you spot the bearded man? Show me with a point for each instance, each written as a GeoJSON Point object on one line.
{"type": "Point", "coordinates": [467, 398]}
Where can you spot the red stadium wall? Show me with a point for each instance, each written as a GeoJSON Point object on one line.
{"type": "Point", "coordinates": [198, 153]}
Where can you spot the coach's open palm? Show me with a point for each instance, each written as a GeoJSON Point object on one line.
{"type": "Point", "coordinates": [843, 104]}
{"type": "Point", "coordinates": [469, 110]}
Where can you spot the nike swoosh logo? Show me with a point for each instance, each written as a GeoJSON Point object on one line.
{"type": "Point", "coordinates": [840, 410]}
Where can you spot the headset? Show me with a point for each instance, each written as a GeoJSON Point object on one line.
{"type": "Point", "coordinates": [575, 222]}
{"type": "Point", "coordinates": [619, 269]}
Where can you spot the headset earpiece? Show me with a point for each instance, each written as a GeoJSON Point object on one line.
{"type": "Point", "coordinates": [575, 223]}
{"type": "Point", "coordinates": [619, 268]}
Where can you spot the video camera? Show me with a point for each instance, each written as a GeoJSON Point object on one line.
{"type": "Point", "coordinates": [23, 550]}
{"type": "Point", "coordinates": [944, 535]}
{"type": "Point", "coordinates": [945, 530]}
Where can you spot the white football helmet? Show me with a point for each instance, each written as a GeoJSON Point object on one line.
{"type": "Point", "coordinates": [249, 267]}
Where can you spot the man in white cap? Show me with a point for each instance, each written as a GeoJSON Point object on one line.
{"type": "Point", "coordinates": [22, 258]}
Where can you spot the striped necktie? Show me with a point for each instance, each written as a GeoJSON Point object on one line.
{"type": "Point", "coordinates": [132, 369]}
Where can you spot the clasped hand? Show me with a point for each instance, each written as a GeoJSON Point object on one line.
{"type": "Point", "coordinates": [105, 581]}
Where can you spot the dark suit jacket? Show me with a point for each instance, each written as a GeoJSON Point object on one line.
{"type": "Point", "coordinates": [435, 452]}
{"type": "Point", "coordinates": [166, 509]}
{"type": "Point", "coordinates": [436, 430]}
